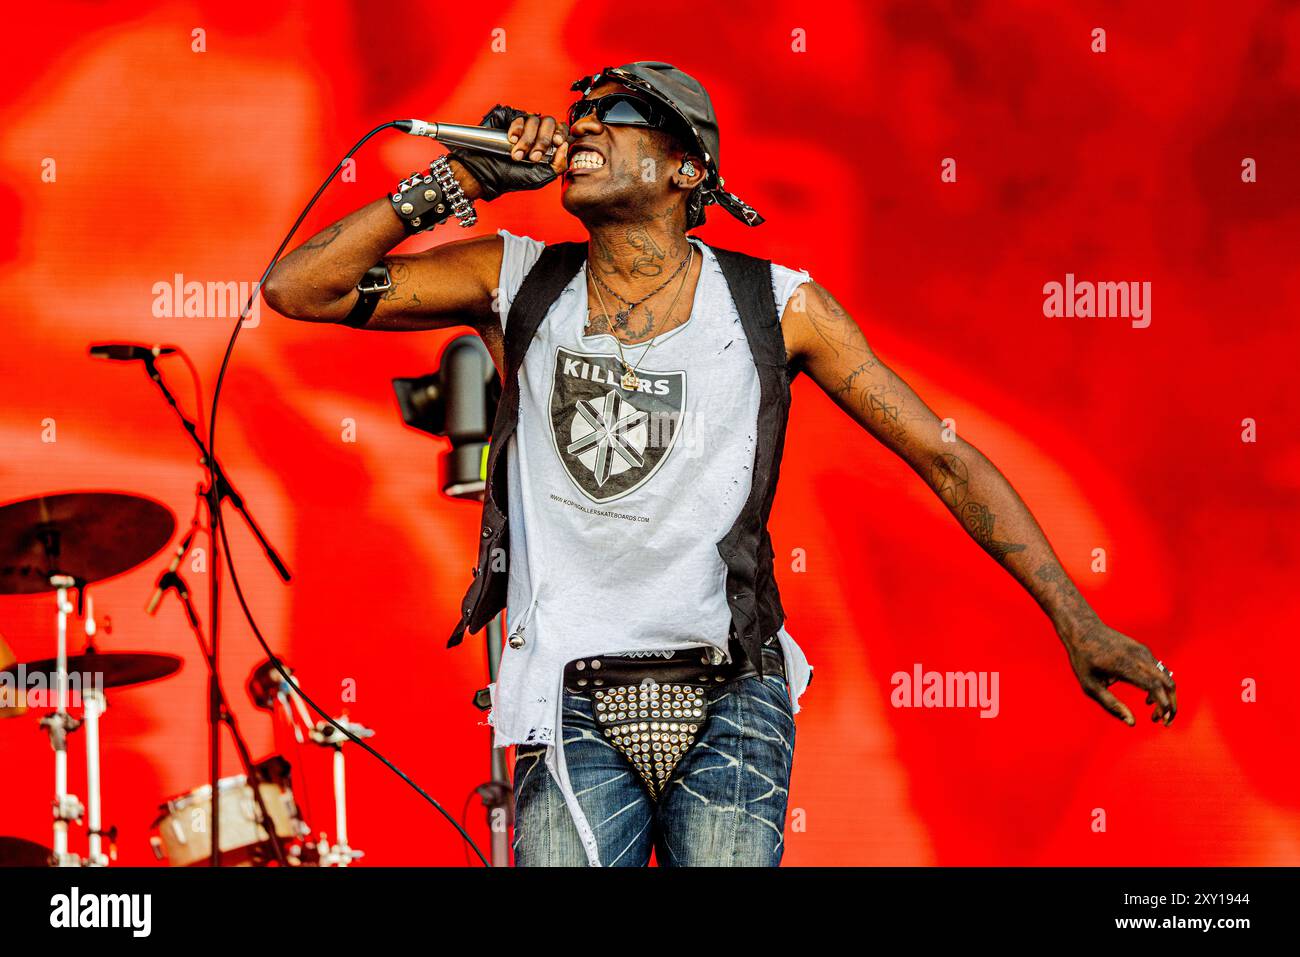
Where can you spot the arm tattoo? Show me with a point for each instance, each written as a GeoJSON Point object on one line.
{"type": "Point", "coordinates": [847, 383]}
{"type": "Point", "coordinates": [870, 391]}
{"type": "Point", "coordinates": [884, 404]}
{"type": "Point", "coordinates": [833, 325]}
{"type": "Point", "coordinates": [1055, 577]}
{"type": "Point", "coordinates": [399, 273]}
{"type": "Point", "coordinates": [323, 238]}
{"type": "Point", "coordinates": [950, 478]}
{"type": "Point", "coordinates": [979, 522]}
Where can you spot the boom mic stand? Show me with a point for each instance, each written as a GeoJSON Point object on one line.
{"type": "Point", "coordinates": [497, 792]}
{"type": "Point", "coordinates": [212, 494]}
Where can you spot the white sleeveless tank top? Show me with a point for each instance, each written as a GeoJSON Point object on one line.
{"type": "Point", "coordinates": [617, 499]}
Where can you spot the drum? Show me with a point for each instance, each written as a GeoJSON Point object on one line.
{"type": "Point", "coordinates": [184, 824]}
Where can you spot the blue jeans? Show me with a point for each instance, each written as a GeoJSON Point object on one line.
{"type": "Point", "coordinates": [724, 805]}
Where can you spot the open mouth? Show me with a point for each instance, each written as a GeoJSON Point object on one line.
{"type": "Point", "coordinates": [585, 159]}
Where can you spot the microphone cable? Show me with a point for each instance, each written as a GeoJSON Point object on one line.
{"type": "Point", "coordinates": [219, 526]}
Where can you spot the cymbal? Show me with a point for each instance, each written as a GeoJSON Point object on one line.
{"type": "Point", "coordinates": [19, 852]}
{"type": "Point", "coordinates": [87, 535]}
{"type": "Point", "coordinates": [118, 668]}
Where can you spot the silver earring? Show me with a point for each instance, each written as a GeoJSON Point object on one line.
{"type": "Point", "coordinates": [688, 168]}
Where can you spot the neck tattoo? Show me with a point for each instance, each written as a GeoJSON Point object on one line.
{"type": "Point", "coordinates": [621, 317]}
{"type": "Point", "coordinates": [630, 381]}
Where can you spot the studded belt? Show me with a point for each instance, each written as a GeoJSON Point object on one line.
{"type": "Point", "coordinates": [652, 708]}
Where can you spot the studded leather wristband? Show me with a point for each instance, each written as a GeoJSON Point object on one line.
{"type": "Point", "coordinates": [420, 203]}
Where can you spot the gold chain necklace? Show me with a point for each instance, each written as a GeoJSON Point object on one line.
{"type": "Point", "coordinates": [629, 380]}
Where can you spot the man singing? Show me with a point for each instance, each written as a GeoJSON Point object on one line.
{"type": "Point", "coordinates": [648, 679]}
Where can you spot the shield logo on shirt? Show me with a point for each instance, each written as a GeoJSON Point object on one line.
{"type": "Point", "coordinates": [612, 440]}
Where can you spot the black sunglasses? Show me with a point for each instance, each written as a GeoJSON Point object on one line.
{"type": "Point", "coordinates": [623, 109]}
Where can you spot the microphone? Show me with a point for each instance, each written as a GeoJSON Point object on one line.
{"type": "Point", "coordinates": [161, 588]}
{"type": "Point", "coordinates": [127, 351]}
{"type": "Point", "coordinates": [485, 139]}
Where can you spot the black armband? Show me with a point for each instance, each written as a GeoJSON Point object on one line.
{"type": "Point", "coordinates": [370, 290]}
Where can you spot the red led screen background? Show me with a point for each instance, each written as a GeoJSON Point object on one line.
{"type": "Point", "coordinates": [1117, 166]}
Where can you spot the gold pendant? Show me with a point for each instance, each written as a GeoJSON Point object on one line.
{"type": "Point", "coordinates": [630, 381]}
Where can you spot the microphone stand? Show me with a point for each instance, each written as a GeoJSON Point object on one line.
{"type": "Point", "coordinates": [496, 794]}
{"type": "Point", "coordinates": [172, 581]}
{"type": "Point", "coordinates": [212, 494]}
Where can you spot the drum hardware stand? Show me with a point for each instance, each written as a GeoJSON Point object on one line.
{"type": "Point", "coordinates": [94, 704]}
{"type": "Point", "coordinates": [58, 725]}
{"type": "Point", "coordinates": [326, 735]}
{"type": "Point", "coordinates": [212, 494]}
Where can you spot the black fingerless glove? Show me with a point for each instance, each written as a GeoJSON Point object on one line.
{"type": "Point", "coordinates": [501, 174]}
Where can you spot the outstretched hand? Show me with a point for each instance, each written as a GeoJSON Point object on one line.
{"type": "Point", "coordinates": [1101, 656]}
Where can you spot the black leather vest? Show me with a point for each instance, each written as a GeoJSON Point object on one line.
{"type": "Point", "coordinates": [756, 611]}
